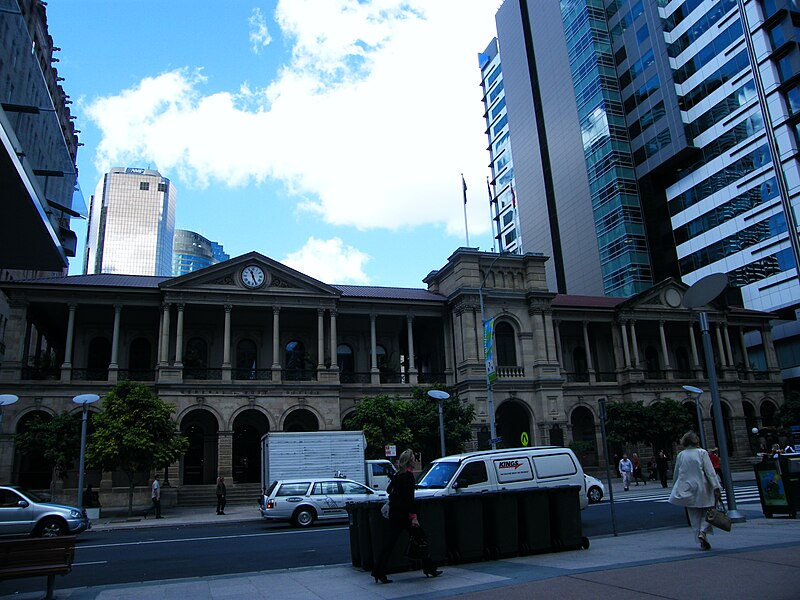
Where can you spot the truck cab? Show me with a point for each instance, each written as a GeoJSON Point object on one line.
{"type": "Point", "coordinates": [379, 473]}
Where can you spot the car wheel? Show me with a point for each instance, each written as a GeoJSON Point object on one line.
{"type": "Point", "coordinates": [303, 517]}
{"type": "Point", "coordinates": [595, 494]}
{"type": "Point", "coordinates": [52, 528]}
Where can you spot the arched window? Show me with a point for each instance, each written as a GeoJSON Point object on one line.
{"type": "Point", "coordinates": [294, 360]}
{"type": "Point", "coordinates": [98, 358]}
{"type": "Point", "coordinates": [380, 356]}
{"type": "Point", "coordinates": [345, 358]}
{"type": "Point", "coordinates": [505, 346]}
{"type": "Point", "coordinates": [196, 360]}
{"type": "Point", "coordinates": [140, 360]}
{"type": "Point", "coordinates": [652, 366]}
{"type": "Point", "coordinates": [246, 359]}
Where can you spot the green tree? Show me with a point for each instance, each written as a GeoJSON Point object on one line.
{"type": "Point", "coordinates": [789, 412]}
{"type": "Point", "coordinates": [134, 432]}
{"type": "Point", "coordinates": [628, 423]}
{"type": "Point", "coordinates": [383, 420]}
{"type": "Point", "coordinates": [58, 439]}
{"type": "Point", "coordinates": [670, 421]}
{"type": "Point", "coordinates": [424, 421]}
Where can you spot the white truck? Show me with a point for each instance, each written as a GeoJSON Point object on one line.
{"type": "Point", "coordinates": [290, 455]}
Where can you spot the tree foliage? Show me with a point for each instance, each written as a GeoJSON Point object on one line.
{"type": "Point", "coordinates": [659, 424]}
{"type": "Point", "coordinates": [57, 439]}
{"type": "Point", "coordinates": [412, 423]}
{"type": "Point", "coordinates": [134, 432]}
{"type": "Point", "coordinates": [789, 412]}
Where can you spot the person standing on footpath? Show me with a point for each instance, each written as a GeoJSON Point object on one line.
{"type": "Point", "coordinates": [403, 517]}
{"type": "Point", "coordinates": [662, 464]}
{"type": "Point", "coordinates": [155, 496]}
{"type": "Point", "coordinates": [221, 491]}
{"type": "Point", "coordinates": [696, 486]}
{"type": "Point", "coordinates": [626, 470]}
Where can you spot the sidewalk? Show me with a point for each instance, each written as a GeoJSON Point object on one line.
{"type": "Point", "coordinates": [760, 558]}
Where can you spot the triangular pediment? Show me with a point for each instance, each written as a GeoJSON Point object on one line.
{"type": "Point", "coordinates": [666, 295]}
{"type": "Point", "coordinates": [251, 273]}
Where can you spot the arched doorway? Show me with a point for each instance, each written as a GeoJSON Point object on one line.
{"type": "Point", "coordinates": [583, 432]}
{"type": "Point", "coordinates": [200, 461]}
{"type": "Point", "coordinates": [248, 428]}
{"type": "Point", "coordinates": [512, 421]}
{"type": "Point", "coordinates": [301, 419]}
{"type": "Point", "coordinates": [504, 339]}
{"type": "Point", "coordinates": [768, 410]}
{"type": "Point", "coordinates": [32, 469]}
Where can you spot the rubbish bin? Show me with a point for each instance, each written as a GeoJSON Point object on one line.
{"type": "Point", "coordinates": [566, 528]}
{"type": "Point", "coordinates": [464, 527]}
{"type": "Point", "coordinates": [778, 482]}
{"type": "Point", "coordinates": [431, 514]}
{"type": "Point", "coordinates": [534, 521]}
{"type": "Point", "coordinates": [379, 531]}
{"type": "Point", "coordinates": [353, 520]}
{"type": "Point", "coordinates": [500, 524]}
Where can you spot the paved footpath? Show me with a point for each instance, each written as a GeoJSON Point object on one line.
{"type": "Point", "coordinates": [759, 559]}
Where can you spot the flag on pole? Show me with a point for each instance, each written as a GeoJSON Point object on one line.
{"type": "Point", "coordinates": [464, 184]}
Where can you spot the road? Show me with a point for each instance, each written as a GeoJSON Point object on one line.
{"type": "Point", "coordinates": [148, 554]}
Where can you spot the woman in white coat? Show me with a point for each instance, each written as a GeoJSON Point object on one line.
{"type": "Point", "coordinates": [696, 486]}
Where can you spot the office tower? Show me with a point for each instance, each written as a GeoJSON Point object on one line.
{"type": "Point", "coordinates": [38, 145]}
{"type": "Point", "coordinates": [131, 224]}
{"type": "Point", "coordinates": [624, 114]}
{"type": "Point", "coordinates": [192, 252]}
{"type": "Point", "coordinates": [501, 186]}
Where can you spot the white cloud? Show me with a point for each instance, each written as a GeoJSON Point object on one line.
{"type": "Point", "coordinates": [369, 125]}
{"type": "Point", "coordinates": [259, 34]}
{"type": "Point", "coordinates": [329, 261]}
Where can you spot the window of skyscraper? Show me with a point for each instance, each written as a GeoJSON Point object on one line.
{"type": "Point", "coordinates": [144, 186]}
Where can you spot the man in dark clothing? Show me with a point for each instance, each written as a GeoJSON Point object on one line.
{"type": "Point", "coordinates": [662, 464]}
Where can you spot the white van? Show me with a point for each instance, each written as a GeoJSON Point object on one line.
{"type": "Point", "coordinates": [495, 470]}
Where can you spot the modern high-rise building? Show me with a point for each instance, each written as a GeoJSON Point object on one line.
{"type": "Point", "coordinates": [192, 252]}
{"type": "Point", "coordinates": [131, 224]}
{"type": "Point", "coordinates": [501, 185]}
{"type": "Point", "coordinates": [646, 145]}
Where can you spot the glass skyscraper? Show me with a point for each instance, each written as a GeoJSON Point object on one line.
{"type": "Point", "coordinates": [131, 224]}
{"type": "Point", "coordinates": [192, 252]}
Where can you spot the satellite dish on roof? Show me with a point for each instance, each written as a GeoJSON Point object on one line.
{"type": "Point", "coordinates": [705, 290]}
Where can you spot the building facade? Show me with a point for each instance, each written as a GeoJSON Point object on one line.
{"type": "Point", "coordinates": [249, 345]}
{"type": "Point", "coordinates": [131, 224]}
{"type": "Point", "coordinates": [659, 129]}
{"type": "Point", "coordinates": [192, 252]}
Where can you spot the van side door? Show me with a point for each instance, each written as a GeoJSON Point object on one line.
{"type": "Point", "coordinates": [473, 477]}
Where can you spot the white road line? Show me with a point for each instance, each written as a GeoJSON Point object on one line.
{"type": "Point", "coordinates": [94, 562]}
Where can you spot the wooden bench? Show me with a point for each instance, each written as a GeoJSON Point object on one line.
{"type": "Point", "coordinates": [37, 557]}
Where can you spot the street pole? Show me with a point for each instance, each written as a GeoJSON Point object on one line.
{"type": "Point", "coordinates": [489, 397]}
{"type": "Point", "coordinates": [603, 415]}
{"type": "Point", "coordinates": [698, 392]}
{"type": "Point", "coordinates": [85, 400]}
{"type": "Point", "coordinates": [722, 438]}
{"type": "Point", "coordinates": [441, 396]}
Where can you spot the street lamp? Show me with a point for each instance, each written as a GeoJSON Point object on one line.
{"type": "Point", "coordinates": [5, 400]}
{"type": "Point", "coordinates": [84, 400]}
{"type": "Point", "coordinates": [489, 395]}
{"type": "Point", "coordinates": [441, 397]}
{"type": "Point", "coordinates": [696, 390]}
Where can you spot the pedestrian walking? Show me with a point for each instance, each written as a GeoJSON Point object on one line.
{"type": "Point", "coordinates": [625, 470]}
{"type": "Point", "coordinates": [403, 517]}
{"type": "Point", "coordinates": [155, 496]}
{"type": "Point", "coordinates": [696, 486]}
{"type": "Point", "coordinates": [715, 462]}
{"type": "Point", "coordinates": [662, 464]}
{"type": "Point", "coordinates": [221, 492]}
{"type": "Point", "coordinates": [637, 470]}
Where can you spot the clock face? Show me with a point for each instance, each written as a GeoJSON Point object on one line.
{"type": "Point", "coordinates": [252, 276]}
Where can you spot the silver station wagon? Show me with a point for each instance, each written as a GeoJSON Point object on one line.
{"type": "Point", "coordinates": [24, 513]}
{"type": "Point", "coordinates": [304, 501]}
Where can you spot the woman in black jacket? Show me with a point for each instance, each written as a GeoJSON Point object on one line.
{"type": "Point", "coordinates": [402, 516]}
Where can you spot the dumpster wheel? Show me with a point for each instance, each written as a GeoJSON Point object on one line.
{"type": "Point", "coordinates": [585, 543]}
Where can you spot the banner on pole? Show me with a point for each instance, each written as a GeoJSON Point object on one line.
{"type": "Point", "coordinates": [488, 348]}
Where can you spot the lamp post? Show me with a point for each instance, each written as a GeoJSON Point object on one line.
{"type": "Point", "coordinates": [441, 397]}
{"type": "Point", "coordinates": [696, 390]}
{"type": "Point", "coordinates": [84, 400]}
{"type": "Point", "coordinates": [489, 396]}
{"type": "Point", "coordinates": [5, 400]}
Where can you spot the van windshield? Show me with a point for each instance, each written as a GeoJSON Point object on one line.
{"type": "Point", "coordinates": [437, 475]}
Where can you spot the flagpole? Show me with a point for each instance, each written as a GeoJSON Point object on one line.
{"type": "Point", "coordinates": [466, 228]}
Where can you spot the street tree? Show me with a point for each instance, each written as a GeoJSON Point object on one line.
{"type": "Point", "coordinates": [56, 439]}
{"type": "Point", "coordinates": [628, 423]}
{"type": "Point", "coordinates": [134, 432]}
{"type": "Point", "coordinates": [384, 421]}
{"type": "Point", "coordinates": [789, 412]}
{"type": "Point", "coordinates": [424, 421]}
{"type": "Point", "coordinates": [670, 421]}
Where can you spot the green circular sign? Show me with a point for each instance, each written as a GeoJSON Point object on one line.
{"type": "Point", "coordinates": [524, 438]}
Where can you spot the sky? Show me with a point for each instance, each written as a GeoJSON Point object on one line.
{"type": "Point", "coordinates": [330, 135]}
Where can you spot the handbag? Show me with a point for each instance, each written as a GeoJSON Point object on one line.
{"type": "Point", "coordinates": [385, 510]}
{"type": "Point", "coordinates": [718, 516]}
{"type": "Point", "coordinates": [417, 545]}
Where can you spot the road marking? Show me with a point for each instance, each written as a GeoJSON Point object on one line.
{"type": "Point", "coordinates": [94, 562]}
{"type": "Point", "coordinates": [210, 538]}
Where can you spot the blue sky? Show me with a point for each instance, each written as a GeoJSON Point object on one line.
{"type": "Point", "coordinates": [327, 134]}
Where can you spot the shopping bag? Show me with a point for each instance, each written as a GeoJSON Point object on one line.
{"type": "Point", "coordinates": [718, 517]}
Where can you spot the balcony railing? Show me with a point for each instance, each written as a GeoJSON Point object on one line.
{"type": "Point", "coordinates": [388, 377]}
{"type": "Point", "coordinates": [299, 375]}
{"type": "Point", "coordinates": [355, 377]}
{"type": "Point", "coordinates": [89, 375]}
{"type": "Point", "coordinates": [252, 374]}
{"type": "Point", "coordinates": [655, 375]}
{"type": "Point", "coordinates": [606, 376]}
{"type": "Point", "coordinates": [136, 375]}
{"type": "Point", "coordinates": [429, 378]}
{"type": "Point", "coordinates": [41, 373]}
{"type": "Point", "coordinates": [510, 372]}
{"type": "Point", "coordinates": [578, 377]}
{"type": "Point", "coordinates": [202, 374]}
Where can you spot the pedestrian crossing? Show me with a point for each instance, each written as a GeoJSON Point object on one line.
{"type": "Point", "coordinates": [745, 494]}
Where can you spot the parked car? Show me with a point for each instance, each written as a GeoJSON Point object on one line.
{"type": "Point", "coordinates": [24, 513]}
{"type": "Point", "coordinates": [595, 490]}
{"type": "Point", "coordinates": [304, 501]}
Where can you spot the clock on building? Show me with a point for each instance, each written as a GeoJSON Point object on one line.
{"type": "Point", "coordinates": [253, 276]}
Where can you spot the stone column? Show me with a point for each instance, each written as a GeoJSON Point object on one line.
{"type": "Point", "coordinates": [276, 340]}
{"type": "Point", "coordinates": [664, 349]}
{"type": "Point", "coordinates": [320, 339]}
{"type": "Point", "coordinates": [623, 327]}
{"type": "Point", "coordinates": [588, 352]}
{"type": "Point", "coordinates": [70, 337]}
{"type": "Point", "coordinates": [226, 345]}
{"type": "Point", "coordinates": [334, 342]}
{"type": "Point", "coordinates": [698, 372]}
{"type": "Point", "coordinates": [557, 333]}
{"type": "Point", "coordinates": [727, 338]}
{"type": "Point", "coordinates": [113, 375]}
{"type": "Point", "coordinates": [635, 341]}
{"type": "Point", "coordinates": [720, 349]}
{"type": "Point", "coordinates": [179, 337]}
{"type": "Point", "coordinates": [539, 343]}
{"type": "Point", "coordinates": [165, 336]}
{"type": "Point", "coordinates": [375, 374]}
{"type": "Point", "coordinates": [225, 454]}
{"type": "Point", "coordinates": [549, 336]}
{"type": "Point", "coordinates": [769, 349]}
{"type": "Point", "coordinates": [745, 356]}
{"type": "Point", "coordinates": [412, 369]}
